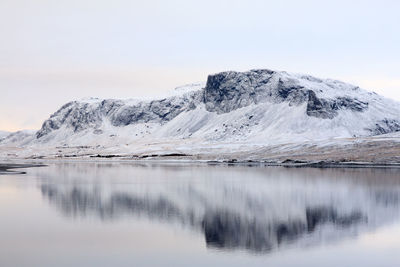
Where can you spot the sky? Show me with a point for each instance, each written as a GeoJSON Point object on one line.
{"type": "Point", "coordinates": [52, 52]}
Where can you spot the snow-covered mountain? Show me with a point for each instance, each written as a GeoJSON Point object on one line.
{"type": "Point", "coordinates": [3, 134]}
{"type": "Point", "coordinates": [254, 107]}
{"type": "Point", "coordinates": [19, 138]}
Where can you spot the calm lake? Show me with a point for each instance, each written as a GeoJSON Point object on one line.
{"type": "Point", "coordinates": [131, 214]}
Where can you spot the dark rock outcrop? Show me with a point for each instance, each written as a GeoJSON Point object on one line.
{"type": "Point", "coordinates": [385, 126]}
{"type": "Point", "coordinates": [228, 91]}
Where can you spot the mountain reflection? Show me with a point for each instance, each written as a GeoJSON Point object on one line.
{"type": "Point", "coordinates": [80, 203]}
{"type": "Point", "coordinates": [221, 228]}
{"type": "Point", "coordinates": [225, 230]}
{"type": "Point", "coordinates": [257, 213]}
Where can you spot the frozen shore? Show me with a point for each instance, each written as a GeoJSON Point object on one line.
{"type": "Point", "coordinates": [350, 152]}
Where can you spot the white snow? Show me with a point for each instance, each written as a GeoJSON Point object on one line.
{"type": "Point", "coordinates": [265, 123]}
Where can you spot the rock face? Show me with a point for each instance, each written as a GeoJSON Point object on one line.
{"type": "Point", "coordinates": [258, 105]}
{"type": "Point", "coordinates": [386, 126]}
{"type": "Point", "coordinates": [76, 115]}
{"type": "Point", "coordinates": [80, 115]}
{"type": "Point", "coordinates": [159, 111]}
{"type": "Point", "coordinates": [326, 109]}
{"type": "Point", "coordinates": [228, 91]}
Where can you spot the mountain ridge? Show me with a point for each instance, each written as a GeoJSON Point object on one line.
{"type": "Point", "coordinates": [263, 107]}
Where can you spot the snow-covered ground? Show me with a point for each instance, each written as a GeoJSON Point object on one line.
{"type": "Point", "coordinates": [256, 115]}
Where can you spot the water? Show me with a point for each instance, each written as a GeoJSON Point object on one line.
{"type": "Point", "coordinates": [123, 214]}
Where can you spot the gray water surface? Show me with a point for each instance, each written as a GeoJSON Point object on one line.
{"type": "Point", "coordinates": [124, 214]}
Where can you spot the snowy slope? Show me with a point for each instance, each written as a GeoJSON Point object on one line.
{"type": "Point", "coordinates": [19, 138]}
{"type": "Point", "coordinates": [3, 134]}
{"type": "Point", "coordinates": [256, 107]}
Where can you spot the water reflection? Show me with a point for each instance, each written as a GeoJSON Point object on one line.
{"type": "Point", "coordinates": [253, 209]}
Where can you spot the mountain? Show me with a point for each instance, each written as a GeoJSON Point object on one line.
{"type": "Point", "coordinates": [3, 134]}
{"type": "Point", "coordinates": [258, 107]}
{"type": "Point", "coordinates": [20, 138]}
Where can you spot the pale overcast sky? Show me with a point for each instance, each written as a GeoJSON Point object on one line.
{"type": "Point", "coordinates": [52, 52]}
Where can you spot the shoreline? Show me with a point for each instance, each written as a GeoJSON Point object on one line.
{"type": "Point", "coordinates": [371, 152]}
{"type": "Point", "coordinates": [8, 168]}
